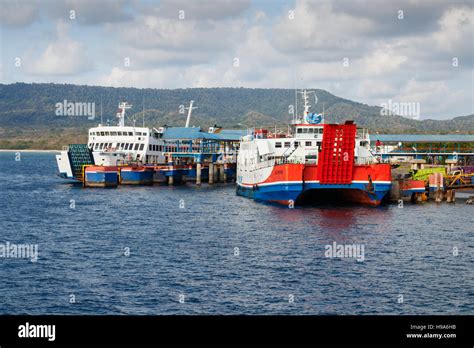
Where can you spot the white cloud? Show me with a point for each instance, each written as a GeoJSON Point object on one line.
{"type": "Point", "coordinates": [388, 58]}
{"type": "Point", "coordinates": [18, 13]}
{"type": "Point", "coordinates": [456, 26]}
{"type": "Point", "coordinates": [64, 56]}
{"type": "Point", "coordinates": [198, 10]}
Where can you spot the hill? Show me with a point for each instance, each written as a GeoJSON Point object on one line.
{"type": "Point", "coordinates": [28, 110]}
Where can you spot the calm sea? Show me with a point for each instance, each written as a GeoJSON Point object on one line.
{"type": "Point", "coordinates": [204, 250]}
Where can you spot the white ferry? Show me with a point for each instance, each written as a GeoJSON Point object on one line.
{"type": "Point", "coordinates": [116, 145]}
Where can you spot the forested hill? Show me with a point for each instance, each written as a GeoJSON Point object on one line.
{"type": "Point", "coordinates": [33, 105]}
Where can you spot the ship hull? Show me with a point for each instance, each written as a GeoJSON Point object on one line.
{"type": "Point", "coordinates": [299, 184]}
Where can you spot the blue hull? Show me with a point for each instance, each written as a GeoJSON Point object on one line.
{"type": "Point", "coordinates": [294, 192]}
{"type": "Point", "coordinates": [136, 177]}
{"type": "Point", "coordinates": [101, 179]}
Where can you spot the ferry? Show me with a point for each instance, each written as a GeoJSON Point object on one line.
{"type": "Point", "coordinates": [127, 154]}
{"type": "Point", "coordinates": [118, 145]}
{"type": "Point", "coordinates": [312, 161]}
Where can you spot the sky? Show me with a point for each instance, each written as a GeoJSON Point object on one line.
{"type": "Point", "coordinates": [374, 51]}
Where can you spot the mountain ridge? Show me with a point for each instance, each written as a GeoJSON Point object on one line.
{"type": "Point", "coordinates": [33, 105]}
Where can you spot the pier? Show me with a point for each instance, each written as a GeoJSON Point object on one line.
{"type": "Point", "coordinates": [191, 155]}
{"type": "Point", "coordinates": [198, 157]}
{"type": "Point", "coordinates": [433, 148]}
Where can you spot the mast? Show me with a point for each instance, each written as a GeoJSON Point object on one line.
{"type": "Point", "coordinates": [190, 110]}
{"type": "Point", "coordinates": [121, 113]}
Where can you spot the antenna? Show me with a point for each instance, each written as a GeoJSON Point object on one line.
{"type": "Point", "coordinates": [143, 108]}
{"type": "Point", "coordinates": [190, 110]}
{"type": "Point", "coordinates": [295, 113]}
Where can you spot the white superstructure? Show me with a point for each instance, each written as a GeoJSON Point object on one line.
{"type": "Point", "coordinates": [112, 145]}
{"type": "Point", "coordinates": [261, 150]}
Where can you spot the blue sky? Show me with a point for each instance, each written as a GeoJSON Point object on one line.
{"type": "Point", "coordinates": [366, 51]}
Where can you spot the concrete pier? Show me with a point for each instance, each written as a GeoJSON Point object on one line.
{"type": "Point", "coordinates": [198, 173]}
{"type": "Point", "coordinates": [211, 173]}
{"type": "Point", "coordinates": [450, 196]}
{"type": "Point", "coordinates": [225, 172]}
{"type": "Point", "coordinates": [417, 164]}
{"type": "Point", "coordinates": [438, 195]}
{"type": "Point", "coordinates": [395, 191]}
{"type": "Point", "coordinates": [221, 173]}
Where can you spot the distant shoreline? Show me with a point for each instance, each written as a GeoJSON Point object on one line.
{"type": "Point", "coordinates": [28, 150]}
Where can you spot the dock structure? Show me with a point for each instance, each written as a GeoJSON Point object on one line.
{"type": "Point", "coordinates": [207, 156]}
{"type": "Point", "coordinates": [433, 148]}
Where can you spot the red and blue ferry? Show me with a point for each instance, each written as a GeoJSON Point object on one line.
{"type": "Point", "coordinates": [312, 160]}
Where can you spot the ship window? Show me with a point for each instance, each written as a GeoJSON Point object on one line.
{"type": "Point", "coordinates": [142, 146]}
{"type": "Point", "coordinates": [96, 146]}
{"type": "Point", "coordinates": [107, 133]}
{"type": "Point", "coordinates": [119, 133]}
{"type": "Point", "coordinates": [136, 146]}
{"type": "Point", "coordinates": [150, 147]}
{"type": "Point", "coordinates": [277, 144]}
{"type": "Point", "coordinates": [299, 130]}
{"type": "Point", "coordinates": [101, 146]}
{"type": "Point", "coordinates": [308, 143]}
{"type": "Point", "coordinates": [287, 144]}
{"type": "Point", "coordinates": [320, 130]}
{"type": "Point", "coordinates": [130, 133]}
{"type": "Point", "coordinates": [113, 133]}
{"type": "Point", "coordinates": [102, 133]}
{"type": "Point", "coordinates": [305, 130]}
{"type": "Point", "coordinates": [297, 143]}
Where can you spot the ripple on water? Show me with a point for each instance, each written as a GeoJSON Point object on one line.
{"type": "Point", "coordinates": [224, 253]}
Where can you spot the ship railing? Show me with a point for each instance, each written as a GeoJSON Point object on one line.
{"type": "Point", "coordinates": [277, 161]}
{"type": "Point", "coordinates": [365, 160]}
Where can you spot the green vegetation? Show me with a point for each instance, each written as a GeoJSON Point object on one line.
{"type": "Point", "coordinates": [28, 119]}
